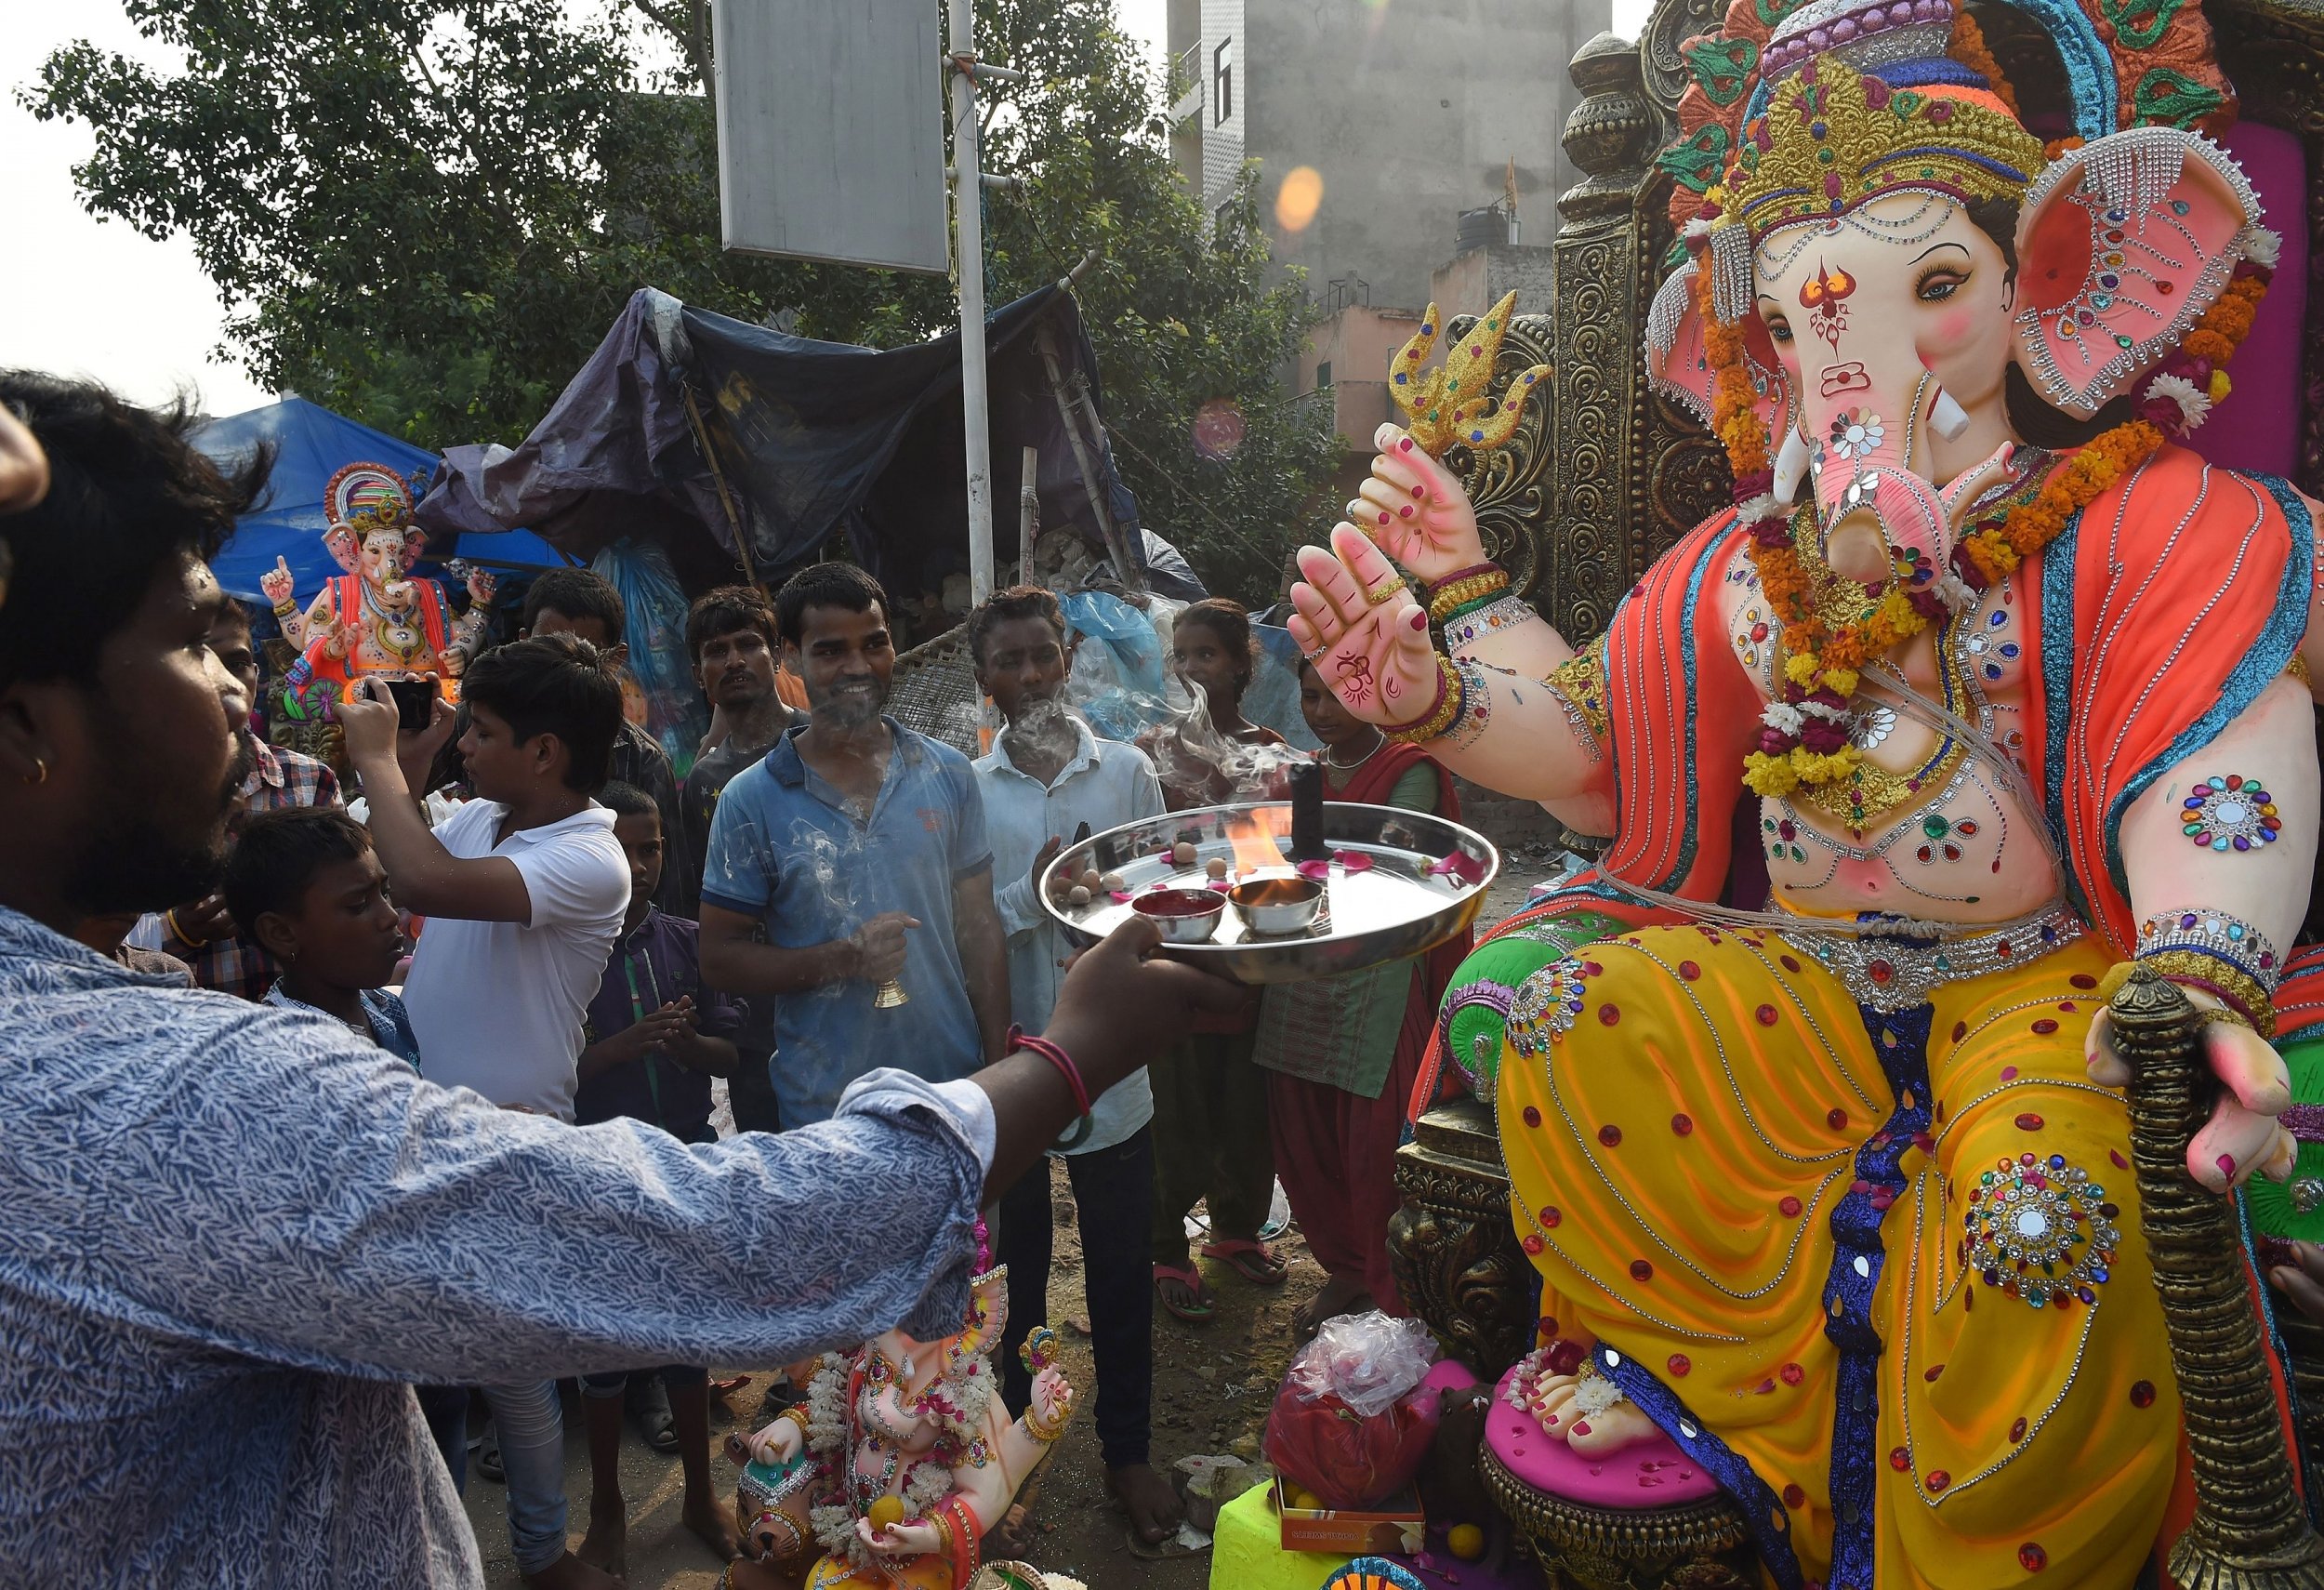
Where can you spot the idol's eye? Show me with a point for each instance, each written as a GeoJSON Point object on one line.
{"type": "Point", "coordinates": [1778, 328]}
{"type": "Point", "coordinates": [1940, 284]}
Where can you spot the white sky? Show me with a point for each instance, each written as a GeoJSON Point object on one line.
{"type": "Point", "coordinates": [94, 297]}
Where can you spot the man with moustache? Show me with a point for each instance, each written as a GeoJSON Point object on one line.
{"type": "Point", "coordinates": [851, 866]}
{"type": "Point", "coordinates": [731, 637]}
{"type": "Point", "coordinates": [231, 1234]}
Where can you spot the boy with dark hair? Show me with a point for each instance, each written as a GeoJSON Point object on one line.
{"type": "Point", "coordinates": [584, 603]}
{"type": "Point", "coordinates": [524, 888]}
{"type": "Point", "coordinates": [730, 636]}
{"type": "Point", "coordinates": [306, 886]}
{"type": "Point", "coordinates": [656, 1038]}
{"type": "Point", "coordinates": [1046, 777]}
{"type": "Point", "coordinates": [201, 932]}
{"type": "Point", "coordinates": [845, 838]}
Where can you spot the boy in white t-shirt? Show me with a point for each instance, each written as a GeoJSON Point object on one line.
{"type": "Point", "coordinates": [523, 890]}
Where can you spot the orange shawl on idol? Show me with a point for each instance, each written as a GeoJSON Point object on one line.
{"type": "Point", "coordinates": [2159, 613]}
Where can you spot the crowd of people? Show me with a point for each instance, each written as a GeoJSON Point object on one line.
{"type": "Point", "coordinates": [346, 1166]}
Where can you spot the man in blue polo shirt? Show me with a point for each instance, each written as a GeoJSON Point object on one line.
{"type": "Point", "coordinates": [851, 866]}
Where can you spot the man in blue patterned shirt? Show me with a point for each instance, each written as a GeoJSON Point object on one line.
{"type": "Point", "coordinates": [230, 1233]}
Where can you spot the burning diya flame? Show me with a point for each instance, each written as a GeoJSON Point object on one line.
{"type": "Point", "coordinates": [1253, 835]}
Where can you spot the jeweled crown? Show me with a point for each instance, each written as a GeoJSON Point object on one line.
{"type": "Point", "coordinates": [1831, 140]}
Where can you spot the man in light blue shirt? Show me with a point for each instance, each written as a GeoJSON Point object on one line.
{"type": "Point", "coordinates": [1047, 778]}
{"type": "Point", "coordinates": [849, 867]}
{"type": "Point", "coordinates": [230, 1233]}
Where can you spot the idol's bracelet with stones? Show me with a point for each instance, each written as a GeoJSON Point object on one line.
{"type": "Point", "coordinates": [1442, 714]}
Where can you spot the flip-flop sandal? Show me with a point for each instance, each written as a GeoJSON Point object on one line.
{"type": "Point", "coordinates": [1196, 1313]}
{"type": "Point", "coordinates": [1251, 1260]}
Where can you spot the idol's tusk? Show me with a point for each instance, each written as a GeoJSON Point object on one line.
{"type": "Point", "coordinates": [1948, 416]}
{"type": "Point", "coordinates": [1792, 462]}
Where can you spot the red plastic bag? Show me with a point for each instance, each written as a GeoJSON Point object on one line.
{"type": "Point", "coordinates": [1352, 1420]}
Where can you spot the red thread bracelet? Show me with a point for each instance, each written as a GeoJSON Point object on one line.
{"type": "Point", "coordinates": [1020, 1039]}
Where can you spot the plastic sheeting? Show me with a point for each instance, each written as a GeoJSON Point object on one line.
{"type": "Point", "coordinates": [813, 440]}
{"type": "Point", "coordinates": [311, 444]}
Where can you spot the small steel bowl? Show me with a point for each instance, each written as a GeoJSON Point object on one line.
{"type": "Point", "coordinates": [1272, 907]}
{"type": "Point", "coordinates": [1185, 916]}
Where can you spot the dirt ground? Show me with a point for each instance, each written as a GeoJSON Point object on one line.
{"type": "Point", "coordinates": [1212, 1386]}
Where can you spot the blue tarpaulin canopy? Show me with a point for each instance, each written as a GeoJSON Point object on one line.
{"type": "Point", "coordinates": [311, 444]}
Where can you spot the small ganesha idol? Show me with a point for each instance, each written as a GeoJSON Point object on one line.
{"type": "Point", "coordinates": [376, 620]}
{"type": "Point", "coordinates": [899, 1462]}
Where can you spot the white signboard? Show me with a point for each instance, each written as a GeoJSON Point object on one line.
{"type": "Point", "coordinates": [831, 131]}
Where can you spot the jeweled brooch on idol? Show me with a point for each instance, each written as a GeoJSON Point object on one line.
{"type": "Point", "coordinates": [2233, 813]}
{"type": "Point", "coordinates": [2040, 1231]}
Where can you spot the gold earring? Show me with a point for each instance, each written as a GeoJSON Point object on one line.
{"type": "Point", "coordinates": [40, 772]}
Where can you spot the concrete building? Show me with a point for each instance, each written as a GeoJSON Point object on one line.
{"type": "Point", "coordinates": [1376, 122]}
{"type": "Point", "coordinates": [1375, 125]}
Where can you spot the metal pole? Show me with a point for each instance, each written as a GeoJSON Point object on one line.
{"type": "Point", "coordinates": [968, 201]}
{"type": "Point", "coordinates": [1028, 509]}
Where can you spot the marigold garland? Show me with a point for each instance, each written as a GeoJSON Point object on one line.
{"type": "Point", "coordinates": [1805, 740]}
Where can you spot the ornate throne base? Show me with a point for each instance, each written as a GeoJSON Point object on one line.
{"type": "Point", "coordinates": [1459, 1266]}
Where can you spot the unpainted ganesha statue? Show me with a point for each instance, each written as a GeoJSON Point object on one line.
{"type": "Point", "coordinates": [376, 620]}
{"type": "Point", "coordinates": [1829, 1187]}
{"type": "Point", "coordinates": [899, 1463]}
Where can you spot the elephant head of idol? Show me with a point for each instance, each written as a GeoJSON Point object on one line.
{"type": "Point", "coordinates": [1893, 282]}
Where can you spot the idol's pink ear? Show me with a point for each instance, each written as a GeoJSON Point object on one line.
{"type": "Point", "coordinates": [2121, 245]}
{"type": "Point", "coordinates": [415, 546]}
{"type": "Point", "coordinates": [1678, 365]}
{"type": "Point", "coordinates": [341, 542]}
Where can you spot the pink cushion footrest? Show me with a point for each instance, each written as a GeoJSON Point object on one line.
{"type": "Point", "coordinates": [1652, 1473]}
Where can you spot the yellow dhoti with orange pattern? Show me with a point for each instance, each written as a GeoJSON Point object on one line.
{"type": "Point", "coordinates": [1879, 1272]}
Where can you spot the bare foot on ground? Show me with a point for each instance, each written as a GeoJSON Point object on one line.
{"type": "Point", "coordinates": [1150, 1501]}
{"type": "Point", "coordinates": [711, 1521]}
{"type": "Point", "coordinates": [1341, 1295]}
{"type": "Point", "coordinates": [568, 1572]}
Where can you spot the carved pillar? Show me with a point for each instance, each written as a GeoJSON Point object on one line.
{"type": "Point", "coordinates": [1452, 1247]}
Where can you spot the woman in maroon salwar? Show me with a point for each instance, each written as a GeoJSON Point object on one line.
{"type": "Point", "coordinates": [1342, 1056]}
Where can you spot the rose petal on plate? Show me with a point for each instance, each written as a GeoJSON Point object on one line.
{"type": "Point", "coordinates": [1318, 870]}
{"type": "Point", "coordinates": [1352, 860]}
{"type": "Point", "coordinates": [1119, 896]}
{"type": "Point", "coordinates": [1221, 884]}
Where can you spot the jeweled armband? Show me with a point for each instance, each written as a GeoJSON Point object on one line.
{"type": "Point", "coordinates": [1501, 613]}
{"type": "Point", "coordinates": [2229, 939]}
{"type": "Point", "coordinates": [2230, 813]}
{"type": "Point", "coordinates": [1580, 685]}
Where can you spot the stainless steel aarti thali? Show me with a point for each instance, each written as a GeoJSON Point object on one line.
{"type": "Point", "coordinates": [1395, 883]}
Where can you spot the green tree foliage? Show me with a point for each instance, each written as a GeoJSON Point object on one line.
{"type": "Point", "coordinates": [424, 213]}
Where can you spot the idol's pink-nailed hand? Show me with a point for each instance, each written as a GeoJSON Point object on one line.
{"type": "Point", "coordinates": [2243, 1134]}
{"type": "Point", "coordinates": [1376, 659]}
{"type": "Point", "coordinates": [1416, 509]}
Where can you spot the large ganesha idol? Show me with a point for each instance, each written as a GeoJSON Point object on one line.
{"type": "Point", "coordinates": [376, 620]}
{"type": "Point", "coordinates": [899, 1463]}
{"type": "Point", "coordinates": [1820, 1154]}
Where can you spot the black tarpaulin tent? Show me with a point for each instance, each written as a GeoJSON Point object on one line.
{"type": "Point", "coordinates": [809, 439]}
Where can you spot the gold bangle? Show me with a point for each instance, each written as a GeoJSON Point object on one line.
{"type": "Point", "coordinates": [1386, 593]}
{"type": "Point", "coordinates": [1454, 594]}
{"type": "Point", "coordinates": [1041, 1430]}
{"type": "Point", "coordinates": [1440, 716]}
{"type": "Point", "coordinates": [943, 1533]}
{"type": "Point", "coordinates": [797, 1413]}
{"type": "Point", "coordinates": [169, 920]}
{"type": "Point", "coordinates": [2242, 1000]}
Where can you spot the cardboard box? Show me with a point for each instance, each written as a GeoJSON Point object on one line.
{"type": "Point", "coordinates": [1395, 1525]}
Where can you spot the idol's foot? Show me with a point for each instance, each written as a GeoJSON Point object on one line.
{"type": "Point", "coordinates": [1590, 1434]}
